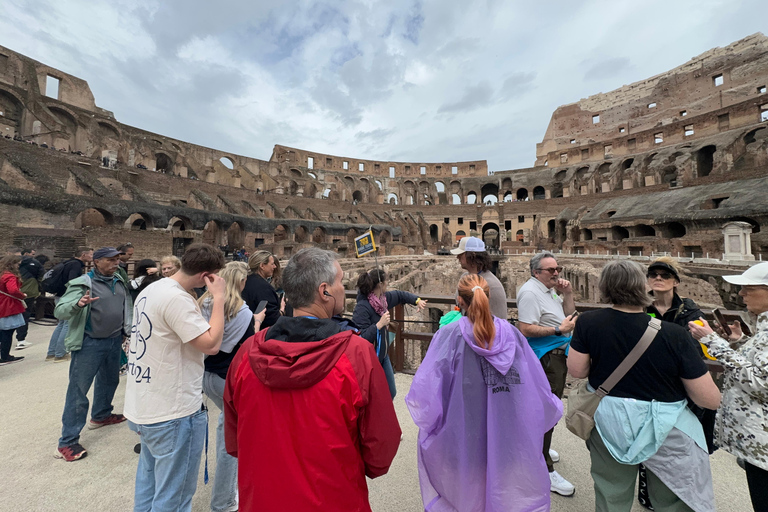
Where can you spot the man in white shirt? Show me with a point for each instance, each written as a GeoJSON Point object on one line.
{"type": "Point", "coordinates": [164, 392]}
{"type": "Point", "coordinates": [542, 305]}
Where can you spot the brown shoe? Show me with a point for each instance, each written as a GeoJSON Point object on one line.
{"type": "Point", "coordinates": [112, 419]}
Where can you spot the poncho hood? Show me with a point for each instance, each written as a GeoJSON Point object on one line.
{"type": "Point", "coordinates": [501, 355]}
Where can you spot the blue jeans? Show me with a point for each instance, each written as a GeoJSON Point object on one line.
{"type": "Point", "coordinates": [224, 495]}
{"type": "Point", "coordinates": [169, 463]}
{"type": "Point", "coordinates": [56, 345]}
{"type": "Point", "coordinates": [390, 373]}
{"type": "Point", "coordinates": [99, 359]}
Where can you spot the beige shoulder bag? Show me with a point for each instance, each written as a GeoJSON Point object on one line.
{"type": "Point", "coordinates": [582, 403]}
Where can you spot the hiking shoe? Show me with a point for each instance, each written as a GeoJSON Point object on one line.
{"type": "Point", "coordinates": [112, 419]}
{"type": "Point", "coordinates": [22, 344]}
{"type": "Point", "coordinates": [71, 453]}
{"type": "Point", "coordinates": [11, 359]}
{"type": "Point", "coordinates": [61, 359]}
{"type": "Point", "coordinates": [554, 455]}
{"type": "Point", "coordinates": [50, 357]}
{"type": "Point", "coordinates": [560, 485]}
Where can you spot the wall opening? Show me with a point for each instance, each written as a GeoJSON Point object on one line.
{"type": "Point", "coordinates": [310, 162]}
{"type": "Point", "coordinates": [705, 160]}
{"type": "Point", "coordinates": [471, 198]}
{"type": "Point", "coordinates": [433, 233]}
{"type": "Point", "coordinates": [52, 87]}
{"type": "Point", "coordinates": [675, 230]}
{"type": "Point", "coordinates": [392, 198]}
{"type": "Point", "coordinates": [619, 233]}
{"type": "Point", "coordinates": [539, 193]}
{"type": "Point", "coordinates": [644, 230]}
{"type": "Point", "coordinates": [522, 194]}
{"type": "Point", "coordinates": [391, 172]}
{"type": "Point", "coordinates": [455, 199]}
{"type": "Point", "coordinates": [717, 80]}
{"type": "Point", "coordinates": [227, 162]}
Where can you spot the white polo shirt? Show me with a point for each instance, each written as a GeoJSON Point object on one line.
{"type": "Point", "coordinates": [539, 305]}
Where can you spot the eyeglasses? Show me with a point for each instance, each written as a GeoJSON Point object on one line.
{"type": "Point", "coordinates": [663, 275]}
{"type": "Point", "coordinates": [552, 270]}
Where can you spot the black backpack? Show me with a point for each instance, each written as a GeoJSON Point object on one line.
{"type": "Point", "coordinates": [53, 280]}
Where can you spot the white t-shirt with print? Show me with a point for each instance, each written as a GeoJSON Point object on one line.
{"type": "Point", "coordinates": [165, 373]}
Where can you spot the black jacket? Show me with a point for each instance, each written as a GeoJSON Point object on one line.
{"type": "Point", "coordinates": [257, 289]}
{"type": "Point", "coordinates": [680, 312]}
{"type": "Point", "coordinates": [365, 317]}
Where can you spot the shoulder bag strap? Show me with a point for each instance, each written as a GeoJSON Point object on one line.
{"type": "Point", "coordinates": [654, 325]}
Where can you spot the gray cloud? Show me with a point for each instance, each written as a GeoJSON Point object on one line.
{"type": "Point", "coordinates": [516, 85]}
{"type": "Point", "coordinates": [474, 97]}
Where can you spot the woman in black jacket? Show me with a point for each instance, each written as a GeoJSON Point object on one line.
{"type": "Point", "coordinates": [257, 287]}
{"type": "Point", "coordinates": [371, 315]}
{"type": "Point", "coordinates": [663, 280]}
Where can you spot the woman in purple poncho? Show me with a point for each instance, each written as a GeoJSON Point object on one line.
{"type": "Point", "coordinates": [482, 404]}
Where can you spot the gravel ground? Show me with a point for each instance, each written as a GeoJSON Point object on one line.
{"type": "Point", "coordinates": [33, 480]}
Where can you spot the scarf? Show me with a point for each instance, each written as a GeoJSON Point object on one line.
{"type": "Point", "coordinates": [379, 305]}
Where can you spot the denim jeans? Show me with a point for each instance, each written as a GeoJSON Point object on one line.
{"type": "Point", "coordinates": [169, 463]}
{"type": "Point", "coordinates": [98, 359]}
{"type": "Point", "coordinates": [56, 345]}
{"type": "Point", "coordinates": [224, 494]}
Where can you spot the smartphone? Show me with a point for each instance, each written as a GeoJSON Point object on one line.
{"type": "Point", "coordinates": [574, 314]}
{"type": "Point", "coordinates": [260, 307]}
{"type": "Point", "coordinates": [721, 320]}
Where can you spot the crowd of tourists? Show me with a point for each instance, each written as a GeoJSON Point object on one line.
{"type": "Point", "coordinates": [306, 395]}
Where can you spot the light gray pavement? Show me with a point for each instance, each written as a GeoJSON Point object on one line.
{"type": "Point", "coordinates": [33, 392]}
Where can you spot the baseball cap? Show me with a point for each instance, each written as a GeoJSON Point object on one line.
{"type": "Point", "coordinates": [469, 244]}
{"type": "Point", "coordinates": [105, 252]}
{"type": "Point", "coordinates": [665, 266]}
{"type": "Point", "coordinates": [755, 275]}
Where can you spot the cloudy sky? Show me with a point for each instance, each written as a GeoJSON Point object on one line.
{"type": "Point", "coordinates": [402, 80]}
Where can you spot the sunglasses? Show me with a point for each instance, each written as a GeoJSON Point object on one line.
{"type": "Point", "coordinates": [552, 270]}
{"type": "Point", "coordinates": [663, 275]}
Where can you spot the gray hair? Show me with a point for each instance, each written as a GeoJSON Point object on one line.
{"type": "Point", "coordinates": [536, 260]}
{"type": "Point", "coordinates": [623, 283]}
{"type": "Point", "coordinates": [305, 272]}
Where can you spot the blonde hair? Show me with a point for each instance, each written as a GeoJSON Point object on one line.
{"type": "Point", "coordinates": [233, 273]}
{"type": "Point", "coordinates": [257, 259]}
{"type": "Point", "coordinates": [176, 262]}
{"type": "Point", "coordinates": [474, 290]}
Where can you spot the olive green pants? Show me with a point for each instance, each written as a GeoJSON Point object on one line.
{"type": "Point", "coordinates": [615, 483]}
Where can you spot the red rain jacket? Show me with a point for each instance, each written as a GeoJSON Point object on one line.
{"type": "Point", "coordinates": [308, 420]}
{"type": "Point", "coordinates": [11, 285]}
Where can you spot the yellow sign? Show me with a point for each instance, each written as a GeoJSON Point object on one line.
{"type": "Point", "coordinates": [364, 244]}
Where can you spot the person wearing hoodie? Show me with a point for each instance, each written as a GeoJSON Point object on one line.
{"type": "Point", "coordinates": [307, 409]}
{"type": "Point", "coordinates": [482, 403]}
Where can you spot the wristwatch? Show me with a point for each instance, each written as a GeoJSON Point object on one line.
{"type": "Point", "coordinates": [558, 332]}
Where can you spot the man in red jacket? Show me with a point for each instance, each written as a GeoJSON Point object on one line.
{"type": "Point", "coordinates": [307, 407]}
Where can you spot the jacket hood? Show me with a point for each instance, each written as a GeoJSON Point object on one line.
{"type": "Point", "coordinates": [297, 353]}
{"type": "Point", "coordinates": [501, 355]}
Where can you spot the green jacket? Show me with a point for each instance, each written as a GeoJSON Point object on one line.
{"type": "Point", "coordinates": [67, 309]}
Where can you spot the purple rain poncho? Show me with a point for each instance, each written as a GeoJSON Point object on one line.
{"type": "Point", "coordinates": [482, 415]}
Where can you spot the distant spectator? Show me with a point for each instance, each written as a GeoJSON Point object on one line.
{"type": "Point", "coordinates": [169, 265]}
{"type": "Point", "coordinates": [11, 305]}
{"type": "Point", "coordinates": [145, 273]}
{"type": "Point", "coordinates": [71, 269]}
{"type": "Point", "coordinates": [126, 253]}
{"type": "Point", "coordinates": [31, 271]}
{"type": "Point", "coordinates": [257, 287]}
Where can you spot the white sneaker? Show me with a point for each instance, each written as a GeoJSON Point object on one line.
{"type": "Point", "coordinates": [560, 485]}
{"type": "Point", "coordinates": [554, 455]}
{"type": "Point", "coordinates": [22, 344]}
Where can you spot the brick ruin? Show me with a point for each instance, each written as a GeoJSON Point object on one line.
{"type": "Point", "coordinates": [659, 165]}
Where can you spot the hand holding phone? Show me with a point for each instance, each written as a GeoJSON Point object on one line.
{"type": "Point", "coordinates": [262, 305]}
{"type": "Point", "coordinates": [723, 324]}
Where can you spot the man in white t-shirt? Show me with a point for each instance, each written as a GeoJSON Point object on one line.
{"type": "Point", "coordinates": [164, 393]}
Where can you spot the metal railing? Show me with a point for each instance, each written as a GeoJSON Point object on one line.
{"type": "Point", "coordinates": [397, 350]}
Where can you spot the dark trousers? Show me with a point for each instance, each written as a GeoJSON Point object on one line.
{"type": "Point", "coordinates": [21, 332]}
{"type": "Point", "coordinates": [6, 338]}
{"type": "Point", "coordinates": [757, 480]}
{"type": "Point", "coordinates": [555, 367]}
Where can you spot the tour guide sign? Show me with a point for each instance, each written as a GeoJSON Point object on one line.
{"type": "Point", "coordinates": [364, 244]}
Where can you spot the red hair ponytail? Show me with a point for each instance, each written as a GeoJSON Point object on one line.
{"type": "Point", "coordinates": [474, 290]}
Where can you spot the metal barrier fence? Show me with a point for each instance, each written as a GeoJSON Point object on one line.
{"type": "Point", "coordinates": [397, 350]}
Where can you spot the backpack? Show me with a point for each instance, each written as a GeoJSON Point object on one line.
{"type": "Point", "coordinates": [53, 280]}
